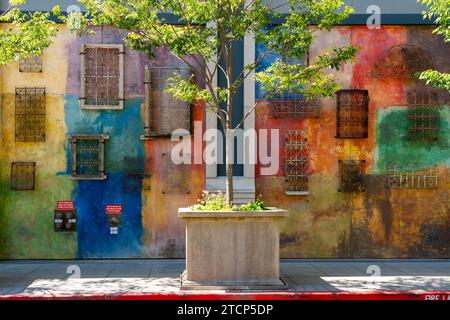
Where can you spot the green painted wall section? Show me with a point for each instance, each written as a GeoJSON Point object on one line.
{"type": "Point", "coordinates": [393, 146]}
{"type": "Point", "coordinates": [26, 228]}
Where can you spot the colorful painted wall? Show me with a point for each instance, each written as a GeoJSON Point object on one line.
{"type": "Point", "coordinates": [380, 222]}
{"type": "Point", "coordinates": [149, 227]}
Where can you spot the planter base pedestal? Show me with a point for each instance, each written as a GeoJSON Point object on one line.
{"type": "Point", "coordinates": [231, 285]}
{"type": "Point", "coordinates": [229, 250]}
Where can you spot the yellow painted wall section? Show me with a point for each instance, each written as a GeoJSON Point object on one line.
{"type": "Point", "coordinates": [27, 228]}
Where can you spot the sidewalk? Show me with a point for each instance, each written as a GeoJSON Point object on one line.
{"type": "Point", "coordinates": [159, 279]}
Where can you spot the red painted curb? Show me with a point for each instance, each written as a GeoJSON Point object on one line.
{"type": "Point", "coordinates": [372, 295]}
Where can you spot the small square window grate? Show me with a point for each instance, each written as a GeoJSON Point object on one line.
{"type": "Point", "coordinates": [351, 175]}
{"type": "Point", "coordinates": [412, 176]}
{"type": "Point", "coordinates": [32, 64]}
{"type": "Point", "coordinates": [30, 114]}
{"type": "Point", "coordinates": [434, 236]}
{"type": "Point", "coordinates": [87, 157]}
{"type": "Point", "coordinates": [135, 175]}
{"type": "Point", "coordinates": [164, 113]}
{"type": "Point", "coordinates": [23, 176]}
{"type": "Point", "coordinates": [352, 113]}
{"type": "Point", "coordinates": [296, 162]}
{"type": "Point", "coordinates": [175, 177]}
{"type": "Point", "coordinates": [423, 116]}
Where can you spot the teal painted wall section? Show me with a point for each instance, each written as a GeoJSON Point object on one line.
{"type": "Point", "coordinates": [393, 145]}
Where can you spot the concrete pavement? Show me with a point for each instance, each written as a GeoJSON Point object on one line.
{"type": "Point", "coordinates": [115, 277]}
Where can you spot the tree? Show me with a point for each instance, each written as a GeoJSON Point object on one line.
{"type": "Point", "coordinates": [439, 10]}
{"type": "Point", "coordinates": [29, 34]}
{"type": "Point", "coordinates": [208, 31]}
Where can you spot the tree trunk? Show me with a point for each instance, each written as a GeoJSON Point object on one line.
{"type": "Point", "coordinates": [229, 159]}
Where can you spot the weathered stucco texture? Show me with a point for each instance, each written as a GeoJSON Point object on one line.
{"type": "Point", "coordinates": [377, 223]}
{"type": "Point", "coordinates": [380, 222]}
{"type": "Point", "coordinates": [149, 226]}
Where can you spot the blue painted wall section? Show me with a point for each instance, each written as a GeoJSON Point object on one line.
{"type": "Point", "coordinates": [91, 197]}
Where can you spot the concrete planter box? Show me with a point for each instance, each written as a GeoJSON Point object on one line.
{"type": "Point", "coordinates": [232, 249]}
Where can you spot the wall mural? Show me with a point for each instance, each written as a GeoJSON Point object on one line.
{"type": "Point", "coordinates": [380, 192]}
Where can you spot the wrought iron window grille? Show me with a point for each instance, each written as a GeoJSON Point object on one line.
{"type": "Point", "coordinates": [30, 114]}
{"type": "Point", "coordinates": [423, 116]}
{"type": "Point", "coordinates": [412, 176]}
{"type": "Point", "coordinates": [175, 177]}
{"type": "Point", "coordinates": [352, 114]}
{"type": "Point", "coordinates": [23, 176]}
{"type": "Point", "coordinates": [294, 107]}
{"type": "Point", "coordinates": [102, 76]}
{"type": "Point", "coordinates": [351, 175]}
{"type": "Point", "coordinates": [87, 156]}
{"type": "Point", "coordinates": [32, 64]}
{"type": "Point", "coordinates": [163, 112]}
{"type": "Point", "coordinates": [402, 61]}
{"type": "Point", "coordinates": [296, 162]}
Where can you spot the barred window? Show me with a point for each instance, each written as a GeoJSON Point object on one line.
{"type": "Point", "coordinates": [30, 115]}
{"type": "Point", "coordinates": [423, 116]}
{"type": "Point", "coordinates": [102, 76]}
{"type": "Point", "coordinates": [352, 113]}
{"type": "Point", "coordinates": [163, 112]}
{"type": "Point", "coordinates": [87, 157]}
{"type": "Point", "coordinates": [351, 175]}
{"type": "Point", "coordinates": [412, 176]}
{"type": "Point", "coordinates": [23, 176]}
{"type": "Point", "coordinates": [294, 108]}
{"type": "Point", "coordinates": [32, 64]}
{"type": "Point", "coordinates": [296, 162]}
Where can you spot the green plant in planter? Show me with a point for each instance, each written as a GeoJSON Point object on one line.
{"type": "Point", "coordinates": [218, 202]}
{"type": "Point", "coordinates": [258, 205]}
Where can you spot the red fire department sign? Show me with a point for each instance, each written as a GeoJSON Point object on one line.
{"type": "Point", "coordinates": [65, 205]}
{"type": "Point", "coordinates": [113, 209]}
